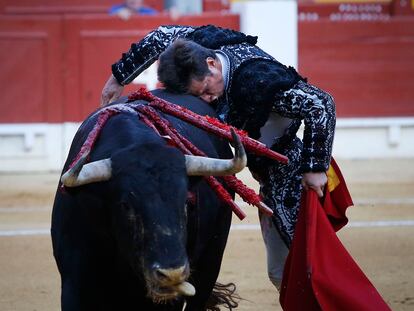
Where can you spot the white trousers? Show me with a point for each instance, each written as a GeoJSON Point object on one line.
{"type": "Point", "coordinates": [276, 250]}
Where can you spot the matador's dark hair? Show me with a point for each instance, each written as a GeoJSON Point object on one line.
{"type": "Point", "coordinates": [182, 62]}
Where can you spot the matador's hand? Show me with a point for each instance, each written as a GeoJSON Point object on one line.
{"type": "Point", "coordinates": [111, 91]}
{"type": "Point", "coordinates": [315, 181]}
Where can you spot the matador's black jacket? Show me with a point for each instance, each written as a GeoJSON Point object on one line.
{"type": "Point", "coordinates": [258, 85]}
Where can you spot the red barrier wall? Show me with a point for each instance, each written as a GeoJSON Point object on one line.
{"type": "Point", "coordinates": [367, 66]}
{"type": "Point", "coordinates": [54, 6]}
{"type": "Point", "coordinates": [216, 5]}
{"type": "Point", "coordinates": [30, 70]}
{"type": "Point", "coordinates": [54, 66]}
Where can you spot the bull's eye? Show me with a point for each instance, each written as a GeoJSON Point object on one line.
{"type": "Point", "coordinates": [129, 212]}
{"type": "Point", "coordinates": [131, 217]}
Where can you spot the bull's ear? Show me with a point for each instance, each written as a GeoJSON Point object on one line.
{"type": "Point", "coordinates": [82, 174]}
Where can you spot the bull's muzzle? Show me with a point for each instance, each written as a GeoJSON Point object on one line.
{"type": "Point", "coordinates": [168, 284]}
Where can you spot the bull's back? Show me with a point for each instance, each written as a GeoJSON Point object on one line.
{"type": "Point", "coordinates": [209, 143]}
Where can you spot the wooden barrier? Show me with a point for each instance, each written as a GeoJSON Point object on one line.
{"type": "Point", "coordinates": [367, 66]}
{"type": "Point", "coordinates": [55, 6]}
{"type": "Point", "coordinates": [31, 72]}
{"type": "Point", "coordinates": [97, 42]}
{"type": "Point", "coordinates": [55, 66]}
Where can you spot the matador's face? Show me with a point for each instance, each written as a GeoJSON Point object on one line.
{"type": "Point", "coordinates": [212, 86]}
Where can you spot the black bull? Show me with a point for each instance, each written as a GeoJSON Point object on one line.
{"type": "Point", "coordinates": [130, 243]}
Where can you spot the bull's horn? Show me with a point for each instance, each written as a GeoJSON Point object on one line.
{"type": "Point", "coordinates": [203, 166]}
{"type": "Point", "coordinates": [92, 172]}
{"type": "Point", "coordinates": [186, 289]}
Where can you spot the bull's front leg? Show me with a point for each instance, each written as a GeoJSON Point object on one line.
{"type": "Point", "coordinates": [212, 233]}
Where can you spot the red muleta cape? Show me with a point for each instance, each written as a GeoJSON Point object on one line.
{"type": "Point", "coordinates": [319, 273]}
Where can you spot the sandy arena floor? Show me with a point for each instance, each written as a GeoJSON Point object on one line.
{"type": "Point", "coordinates": [383, 246]}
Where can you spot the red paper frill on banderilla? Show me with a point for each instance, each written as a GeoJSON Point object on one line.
{"type": "Point", "coordinates": [149, 114]}
{"type": "Point", "coordinates": [319, 272]}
